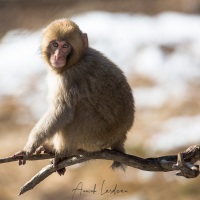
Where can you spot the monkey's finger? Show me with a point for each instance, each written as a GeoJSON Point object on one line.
{"type": "Point", "coordinates": [19, 153]}
{"type": "Point", "coordinates": [39, 150]}
{"type": "Point", "coordinates": [20, 162]}
{"type": "Point", "coordinates": [25, 157]}
{"type": "Point", "coordinates": [24, 160]}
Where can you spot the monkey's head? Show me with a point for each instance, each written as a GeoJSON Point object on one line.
{"type": "Point", "coordinates": [63, 44]}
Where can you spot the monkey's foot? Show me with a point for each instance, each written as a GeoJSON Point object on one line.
{"type": "Point", "coordinates": [61, 171]}
{"type": "Point", "coordinates": [55, 162]}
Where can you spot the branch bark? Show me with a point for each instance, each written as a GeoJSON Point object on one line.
{"type": "Point", "coordinates": [184, 163]}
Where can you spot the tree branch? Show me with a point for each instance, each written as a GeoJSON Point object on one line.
{"type": "Point", "coordinates": [183, 163]}
{"type": "Point", "coordinates": [32, 157]}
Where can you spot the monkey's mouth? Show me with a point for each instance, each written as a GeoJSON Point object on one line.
{"type": "Point", "coordinates": [58, 63]}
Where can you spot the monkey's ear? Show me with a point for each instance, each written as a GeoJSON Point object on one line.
{"type": "Point", "coordinates": [85, 40]}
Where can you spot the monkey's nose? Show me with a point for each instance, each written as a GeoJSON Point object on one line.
{"type": "Point", "coordinates": [57, 57]}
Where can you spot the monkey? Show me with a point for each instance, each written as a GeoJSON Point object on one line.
{"type": "Point", "coordinates": [91, 105]}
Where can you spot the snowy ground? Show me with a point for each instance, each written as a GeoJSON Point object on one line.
{"type": "Point", "coordinates": [164, 48]}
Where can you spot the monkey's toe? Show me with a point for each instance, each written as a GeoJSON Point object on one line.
{"type": "Point", "coordinates": [118, 165]}
{"type": "Point", "coordinates": [61, 171]}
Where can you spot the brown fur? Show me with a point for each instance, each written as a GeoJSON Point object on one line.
{"type": "Point", "coordinates": [91, 103]}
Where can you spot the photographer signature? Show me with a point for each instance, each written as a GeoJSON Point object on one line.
{"type": "Point", "coordinates": [79, 190]}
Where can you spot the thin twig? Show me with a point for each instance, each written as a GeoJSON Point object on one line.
{"type": "Point", "coordinates": [32, 157]}
{"type": "Point", "coordinates": [48, 170]}
{"type": "Point", "coordinates": [39, 177]}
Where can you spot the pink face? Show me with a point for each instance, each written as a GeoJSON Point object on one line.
{"type": "Point", "coordinates": [59, 52]}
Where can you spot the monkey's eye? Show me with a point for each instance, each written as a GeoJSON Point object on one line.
{"type": "Point", "coordinates": [54, 44]}
{"type": "Point", "coordinates": [66, 45]}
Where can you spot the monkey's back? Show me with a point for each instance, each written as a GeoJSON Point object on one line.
{"type": "Point", "coordinates": [104, 109]}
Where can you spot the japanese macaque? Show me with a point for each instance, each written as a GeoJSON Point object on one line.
{"type": "Point", "coordinates": [91, 103]}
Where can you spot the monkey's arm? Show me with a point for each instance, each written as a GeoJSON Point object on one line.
{"type": "Point", "coordinates": [47, 126]}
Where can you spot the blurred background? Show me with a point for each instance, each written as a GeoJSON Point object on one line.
{"type": "Point", "coordinates": [157, 45]}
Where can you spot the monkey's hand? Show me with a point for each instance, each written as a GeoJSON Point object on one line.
{"type": "Point", "coordinates": [23, 156]}
{"type": "Point", "coordinates": [28, 150]}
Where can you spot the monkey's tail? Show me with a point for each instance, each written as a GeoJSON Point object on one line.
{"type": "Point", "coordinates": [118, 165]}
